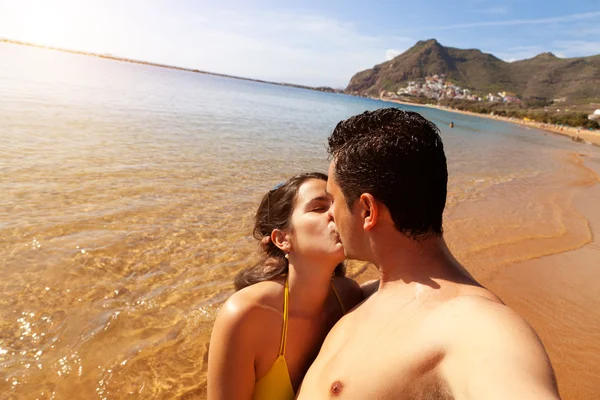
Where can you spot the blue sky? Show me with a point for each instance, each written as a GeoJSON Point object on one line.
{"type": "Point", "coordinates": [307, 42]}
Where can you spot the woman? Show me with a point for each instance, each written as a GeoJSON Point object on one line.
{"type": "Point", "coordinates": [268, 333]}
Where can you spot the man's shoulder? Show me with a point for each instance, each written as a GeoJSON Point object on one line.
{"type": "Point", "coordinates": [489, 342]}
{"type": "Point", "coordinates": [479, 324]}
{"type": "Point", "coordinates": [474, 312]}
{"type": "Point", "coordinates": [475, 308]}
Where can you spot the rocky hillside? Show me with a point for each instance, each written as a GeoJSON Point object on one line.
{"type": "Point", "coordinates": [544, 76]}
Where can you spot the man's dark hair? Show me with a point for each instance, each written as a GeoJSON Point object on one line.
{"type": "Point", "coordinates": [398, 157]}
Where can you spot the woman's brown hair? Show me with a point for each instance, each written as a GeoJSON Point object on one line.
{"type": "Point", "coordinates": [275, 212]}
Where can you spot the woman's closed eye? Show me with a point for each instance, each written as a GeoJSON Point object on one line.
{"type": "Point", "coordinates": [320, 204]}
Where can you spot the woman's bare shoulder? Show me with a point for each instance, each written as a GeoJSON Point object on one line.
{"type": "Point", "coordinates": [253, 304]}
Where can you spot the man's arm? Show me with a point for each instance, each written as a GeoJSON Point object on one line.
{"type": "Point", "coordinates": [231, 354]}
{"type": "Point", "coordinates": [495, 354]}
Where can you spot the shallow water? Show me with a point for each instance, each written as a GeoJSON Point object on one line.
{"type": "Point", "coordinates": [127, 200]}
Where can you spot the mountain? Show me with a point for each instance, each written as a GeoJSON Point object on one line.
{"type": "Point", "coordinates": [543, 76]}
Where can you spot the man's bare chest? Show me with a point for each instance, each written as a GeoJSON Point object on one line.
{"type": "Point", "coordinates": [384, 361]}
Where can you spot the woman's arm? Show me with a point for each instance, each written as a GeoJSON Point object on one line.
{"type": "Point", "coordinates": [231, 353]}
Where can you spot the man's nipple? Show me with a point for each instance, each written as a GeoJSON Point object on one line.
{"type": "Point", "coordinates": [336, 388]}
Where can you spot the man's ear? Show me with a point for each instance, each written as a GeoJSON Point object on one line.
{"type": "Point", "coordinates": [281, 239]}
{"type": "Point", "coordinates": [369, 210]}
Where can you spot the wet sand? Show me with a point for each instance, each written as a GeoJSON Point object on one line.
{"type": "Point", "coordinates": [550, 278]}
{"type": "Point", "coordinates": [568, 324]}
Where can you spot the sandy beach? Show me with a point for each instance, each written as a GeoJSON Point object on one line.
{"type": "Point", "coordinates": [585, 136]}
{"type": "Point", "coordinates": [565, 325]}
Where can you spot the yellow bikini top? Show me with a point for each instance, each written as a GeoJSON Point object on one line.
{"type": "Point", "coordinates": [276, 384]}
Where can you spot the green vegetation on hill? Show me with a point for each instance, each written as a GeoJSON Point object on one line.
{"type": "Point", "coordinates": [524, 110]}
{"type": "Point", "coordinates": [544, 76]}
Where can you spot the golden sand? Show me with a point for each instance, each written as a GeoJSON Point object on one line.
{"type": "Point", "coordinates": [560, 296]}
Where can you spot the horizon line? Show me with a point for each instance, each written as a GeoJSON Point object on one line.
{"type": "Point", "coordinates": [110, 56]}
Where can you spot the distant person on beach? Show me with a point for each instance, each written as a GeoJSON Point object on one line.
{"type": "Point", "coordinates": [430, 331]}
{"type": "Point", "coordinates": [270, 330]}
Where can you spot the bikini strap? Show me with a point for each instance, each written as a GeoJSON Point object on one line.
{"type": "Point", "coordinates": [282, 346]}
{"type": "Point", "coordinates": [338, 298]}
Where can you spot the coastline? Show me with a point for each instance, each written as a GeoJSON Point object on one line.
{"type": "Point", "coordinates": [159, 65]}
{"type": "Point", "coordinates": [580, 135]}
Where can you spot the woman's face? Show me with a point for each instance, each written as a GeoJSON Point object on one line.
{"type": "Point", "coordinates": [313, 234]}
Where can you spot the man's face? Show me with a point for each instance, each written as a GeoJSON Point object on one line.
{"type": "Point", "coordinates": [347, 225]}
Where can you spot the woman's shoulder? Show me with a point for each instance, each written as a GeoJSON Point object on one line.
{"type": "Point", "coordinates": [349, 291]}
{"type": "Point", "coordinates": [253, 303]}
{"type": "Point", "coordinates": [247, 326]}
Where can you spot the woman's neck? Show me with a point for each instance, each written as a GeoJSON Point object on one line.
{"type": "Point", "coordinates": [309, 289]}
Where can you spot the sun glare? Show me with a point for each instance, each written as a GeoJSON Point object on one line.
{"type": "Point", "coordinates": [65, 23]}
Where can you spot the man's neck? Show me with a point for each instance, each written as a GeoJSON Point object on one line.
{"type": "Point", "coordinates": [402, 260]}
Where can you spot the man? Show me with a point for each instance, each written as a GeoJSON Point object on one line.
{"type": "Point", "coordinates": [430, 331]}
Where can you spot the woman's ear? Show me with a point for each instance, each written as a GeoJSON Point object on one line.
{"type": "Point", "coordinates": [281, 239]}
{"type": "Point", "coordinates": [369, 210]}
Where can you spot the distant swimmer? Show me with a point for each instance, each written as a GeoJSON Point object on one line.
{"type": "Point", "coordinates": [452, 124]}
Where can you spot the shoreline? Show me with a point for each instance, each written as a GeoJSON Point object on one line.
{"type": "Point", "coordinates": [578, 135]}
{"type": "Point", "coordinates": [159, 65]}
{"type": "Point", "coordinates": [564, 323]}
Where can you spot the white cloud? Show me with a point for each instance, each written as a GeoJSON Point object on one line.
{"type": "Point", "coordinates": [560, 48]}
{"type": "Point", "coordinates": [576, 48]}
{"type": "Point", "coordinates": [492, 10]}
{"type": "Point", "coordinates": [391, 54]}
{"type": "Point", "coordinates": [295, 47]}
{"type": "Point", "coordinates": [584, 30]}
{"type": "Point", "coordinates": [519, 53]}
{"type": "Point", "coordinates": [564, 18]}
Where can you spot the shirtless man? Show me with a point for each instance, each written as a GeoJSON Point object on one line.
{"type": "Point", "coordinates": [430, 331]}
